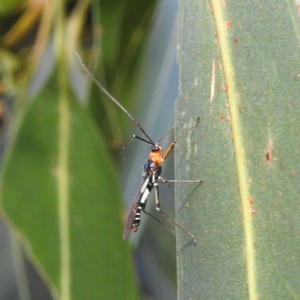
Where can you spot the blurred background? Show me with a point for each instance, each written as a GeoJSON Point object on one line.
{"type": "Point", "coordinates": [131, 47]}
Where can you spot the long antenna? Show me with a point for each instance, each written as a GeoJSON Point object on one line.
{"type": "Point", "coordinates": [111, 97]}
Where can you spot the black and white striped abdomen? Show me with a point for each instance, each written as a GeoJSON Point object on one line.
{"type": "Point", "coordinates": [141, 206]}
{"type": "Point", "coordinates": [145, 190]}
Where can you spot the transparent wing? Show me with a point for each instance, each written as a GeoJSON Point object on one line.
{"type": "Point", "coordinates": [135, 203]}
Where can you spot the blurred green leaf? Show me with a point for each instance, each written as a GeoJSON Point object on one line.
{"type": "Point", "coordinates": [125, 27]}
{"type": "Point", "coordinates": [118, 35]}
{"type": "Point", "coordinates": [59, 192]}
{"type": "Point", "coordinates": [8, 5]}
{"type": "Point", "coordinates": [239, 73]}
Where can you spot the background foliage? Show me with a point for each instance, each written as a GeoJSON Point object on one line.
{"type": "Point", "coordinates": [60, 189]}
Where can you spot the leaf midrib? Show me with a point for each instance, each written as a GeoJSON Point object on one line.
{"type": "Point", "coordinates": [64, 129]}
{"type": "Point", "coordinates": [219, 12]}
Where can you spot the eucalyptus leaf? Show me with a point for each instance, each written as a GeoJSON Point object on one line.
{"type": "Point", "coordinates": [60, 193]}
{"type": "Point", "coordinates": [239, 71]}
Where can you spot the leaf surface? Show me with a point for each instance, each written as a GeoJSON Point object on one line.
{"type": "Point", "coordinates": [240, 74]}
{"type": "Point", "coordinates": [60, 193]}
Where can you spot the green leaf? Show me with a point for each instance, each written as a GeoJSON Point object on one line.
{"type": "Point", "coordinates": [239, 71]}
{"type": "Point", "coordinates": [9, 5]}
{"type": "Point", "coordinates": [60, 193]}
{"type": "Point", "coordinates": [124, 35]}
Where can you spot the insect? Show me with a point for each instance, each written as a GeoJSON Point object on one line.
{"type": "Point", "coordinates": [151, 174]}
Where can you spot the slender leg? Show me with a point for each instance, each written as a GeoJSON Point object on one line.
{"type": "Point", "coordinates": [180, 137]}
{"type": "Point", "coordinates": [163, 180]}
{"type": "Point", "coordinates": [128, 142]}
{"type": "Point", "coordinates": [166, 133]}
{"type": "Point", "coordinates": [166, 216]}
{"type": "Point", "coordinates": [148, 214]}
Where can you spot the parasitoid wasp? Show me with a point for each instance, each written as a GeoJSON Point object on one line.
{"type": "Point", "coordinates": [151, 174]}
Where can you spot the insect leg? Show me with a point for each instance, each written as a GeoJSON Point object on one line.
{"type": "Point", "coordinates": [163, 180]}
{"type": "Point", "coordinates": [166, 216]}
{"type": "Point", "coordinates": [166, 133]}
{"type": "Point", "coordinates": [182, 135]}
{"type": "Point", "coordinates": [148, 214]}
{"type": "Point", "coordinates": [128, 142]}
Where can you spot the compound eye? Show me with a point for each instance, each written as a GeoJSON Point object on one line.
{"type": "Point", "coordinates": [155, 148]}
